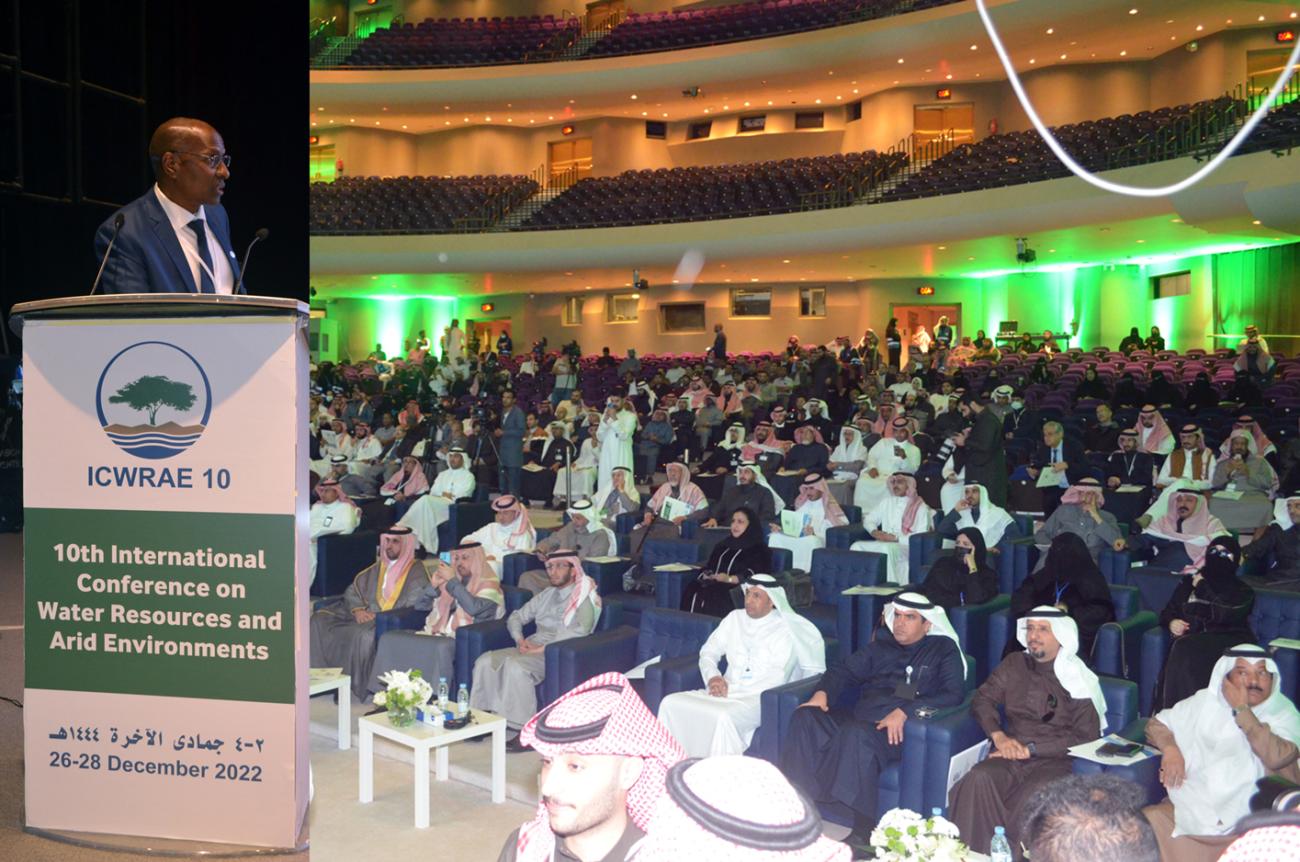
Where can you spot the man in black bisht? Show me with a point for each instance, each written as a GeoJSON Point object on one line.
{"type": "Point", "coordinates": [983, 447]}
{"type": "Point", "coordinates": [835, 755]}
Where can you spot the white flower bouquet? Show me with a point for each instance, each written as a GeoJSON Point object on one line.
{"type": "Point", "coordinates": [905, 836]}
{"type": "Point", "coordinates": [404, 692]}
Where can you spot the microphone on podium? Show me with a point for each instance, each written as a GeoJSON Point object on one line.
{"type": "Point", "coordinates": [258, 236]}
{"type": "Point", "coordinates": [117, 226]}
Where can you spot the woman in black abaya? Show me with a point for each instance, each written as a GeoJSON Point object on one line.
{"type": "Point", "coordinates": [1208, 613]}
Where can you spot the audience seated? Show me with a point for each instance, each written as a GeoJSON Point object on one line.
{"type": "Point", "coordinates": [1178, 539]}
{"type": "Point", "coordinates": [815, 511]}
{"type": "Point", "coordinates": [1069, 581]}
{"type": "Point", "coordinates": [834, 755]}
{"type": "Point", "coordinates": [765, 644]}
{"type": "Point", "coordinates": [1051, 701]}
{"type": "Point", "coordinates": [431, 510]}
{"type": "Point", "coordinates": [963, 577]}
{"type": "Point", "coordinates": [1214, 745]}
{"type": "Point", "coordinates": [1096, 817]}
{"type": "Point", "coordinates": [1276, 549]}
{"type": "Point", "coordinates": [734, 560]}
{"type": "Point", "coordinates": [1208, 613]}
{"type": "Point", "coordinates": [343, 630]}
{"type": "Point", "coordinates": [464, 591]}
{"type": "Point", "coordinates": [891, 525]}
{"type": "Point", "coordinates": [1081, 513]}
{"type": "Point", "coordinates": [895, 453]}
{"type": "Point", "coordinates": [584, 535]}
{"type": "Point", "coordinates": [332, 513]}
{"type": "Point", "coordinates": [505, 680]}
{"type": "Point", "coordinates": [974, 509]}
{"type": "Point", "coordinates": [751, 491]}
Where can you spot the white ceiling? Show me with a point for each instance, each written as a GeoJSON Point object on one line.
{"type": "Point", "coordinates": [826, 67]}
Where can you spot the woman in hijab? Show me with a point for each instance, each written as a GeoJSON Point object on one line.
{"type": "Point", "coordinates": [1208, 613]}
{"type": "Point", "coordinates": [732, 561]}
{"type": "Point", "coordinates": [1069, 580]}
{"type": "Point", "coordinates": [963, 578]}
{"type": "Point", "coordinates": [1133, 341]}
{"type": "Point", "coordinates": [1092, 386]}
{"type": "Point", "coordinates": [1155, 341]}
{"type": "Point", "coordinates": [1041, 373]}
{"type": "Point", "coordinates": [1162, 393]}
{"type": "Point", "coordinates": [1201, 395]}
{"type": "Point", "coordinates": [1126, 392]}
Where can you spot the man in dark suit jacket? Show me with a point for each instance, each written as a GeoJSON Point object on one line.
{"type": "Point", "coordinates": [1129, 466]}
{"type": "Point", "coordinates": [1057, 450]}
{"type": "Point", "coordinates": [175, 238]}
{"type": "Point", "coordinates": [510, 444]}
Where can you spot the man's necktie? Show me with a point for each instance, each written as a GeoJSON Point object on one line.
{"type": "Point", "coordinates": [205, 280]}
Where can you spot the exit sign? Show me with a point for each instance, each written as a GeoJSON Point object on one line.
{"type": "Point", "coordinates": [943, 93]}
{"type": "Point", "coordinates": [925, 290]}
{"type": "Point", "coordinates": [1284, 36]}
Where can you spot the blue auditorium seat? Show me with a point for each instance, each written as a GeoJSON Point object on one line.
{"type": "Point", "coordinates": [474, 640]}
{"type": "Point", "coordinates": [918, 781]}
{"type": "Point", "coordinates": [1117, 644]}
{"type": "Point", "coordinates": [833, 572]}
{"type": "Point", "coordinates": [662, 632]}
{"type": "Point", "coordinates": [340, 558]}
{"type": "Point", "coordinates": [1276, 615]}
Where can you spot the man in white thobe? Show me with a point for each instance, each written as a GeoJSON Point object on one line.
{"type": "Point", "coordinates": [1214, 746]}
{"type": "Point", "coordinates": [893, 454]}
{"type": "Point", "coordinates": [615, 439]}
{"type": "Point", "coordinates": [510, 532]}
{"type": "Point", "coordinates": [432, 510]}
{"type": "Point", "coordinates": [333, 513]}
{"type": "Point", "coordinates": [817, 511]}
{"type": "Point", "coordinates": [892, 524]}
{"type": "Point", "coordinates": [974, 509]}
{"type": "Point", "coordinates": [766, 644]}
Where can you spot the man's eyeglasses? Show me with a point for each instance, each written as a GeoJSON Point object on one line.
{"type": "Point", "coordinates": [1051, 708]}
{"type": "Point", "coordinates": [213, 159]}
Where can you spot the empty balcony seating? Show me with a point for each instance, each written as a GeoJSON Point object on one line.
{"type": "Point", "coordinates": [694, 194]}
{"type": "Point", "coordinates": [1022, 157]}
{"type": "Point", "coordinates": [688, 28]}
{"type": "Point", "coordinates": [360, 205]}
{"type": "Point", "coordinates": [467, 42]}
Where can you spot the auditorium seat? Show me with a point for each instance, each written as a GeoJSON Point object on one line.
{"type": "Point", "coordinates": [410, 205]}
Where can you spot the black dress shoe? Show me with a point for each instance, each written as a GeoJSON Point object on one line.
{"type": "Point", "coordinates": [514, 746]}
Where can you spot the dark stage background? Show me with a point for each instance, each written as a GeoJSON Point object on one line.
{"type": "Point", "coordinates": [82, 86]}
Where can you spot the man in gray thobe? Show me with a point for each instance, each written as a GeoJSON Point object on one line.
{"type": "Point", "coordinates": [505, 680]}
{"type": "Point", "coordinates": [1080, 513]}
{"type": "Point", "coordinates": [1243, 471]}
{"type": "Point", "coordinates": [343, 632]}
{"type": "Point", "coordinates": [584, 534]}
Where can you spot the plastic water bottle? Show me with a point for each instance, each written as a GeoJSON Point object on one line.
{"type": "Point", "coordinates": [999, 849]}
{"type": "Point", "coordinates": [936, 812]}
{"type": "Point", "coordinates": [462, 705]}
{"type": "Point", "coordinates": [442, 694]}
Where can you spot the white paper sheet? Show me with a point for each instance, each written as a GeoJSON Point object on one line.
{"type": "Point", "coordinates": [964, 761]}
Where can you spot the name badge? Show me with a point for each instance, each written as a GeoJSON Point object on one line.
{"type": "Point", "coordinates": [329, 519]}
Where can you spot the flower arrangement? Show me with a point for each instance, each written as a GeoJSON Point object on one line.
{"type": "Point", "coordinates": [905, 835]}
{"type": "Point", "coordinates": [405, 691]}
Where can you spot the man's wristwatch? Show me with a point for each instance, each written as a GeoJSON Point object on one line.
{"type": "Point", "coordinates": [1238, 710]}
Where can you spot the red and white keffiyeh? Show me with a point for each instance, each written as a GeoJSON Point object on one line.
{"type": "Point", "coordinates": [835, 516]}
{"type": "Point", "coordinates": [604, 715]}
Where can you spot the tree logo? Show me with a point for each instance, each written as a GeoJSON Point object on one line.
{"type": "Point", "coordinates": [146, 382]}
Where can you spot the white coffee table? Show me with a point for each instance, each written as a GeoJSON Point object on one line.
{"type": "Point", "coordinates": [343, 685]}
{"type": "Point", "coordinates": [421, 738]}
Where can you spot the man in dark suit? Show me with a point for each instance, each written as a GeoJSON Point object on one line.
{"type": "Point", "coordinates": [175, 238]}
{"type": "Point", "coordinates": [1133, 467]}
{"type": "Point", "coordinates": [1062, 456]}
{"type": "Point", "coordinates": [510, 444]}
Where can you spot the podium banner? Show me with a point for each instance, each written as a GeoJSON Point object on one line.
{"type": "Point", "coordinates": [165, 574]}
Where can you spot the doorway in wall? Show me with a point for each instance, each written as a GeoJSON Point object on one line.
{"type": "Point", "coordinates": [571, 157]}
{"type": "Point", "coordinates": [488, 332]}
{"type": "Point", "coordinates": [932, 121]}
{"type": "Point", "coordinates": [912, 316]}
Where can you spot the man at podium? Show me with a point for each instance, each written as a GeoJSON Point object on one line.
{"type": "Point", "coordinates": [175, 238]}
